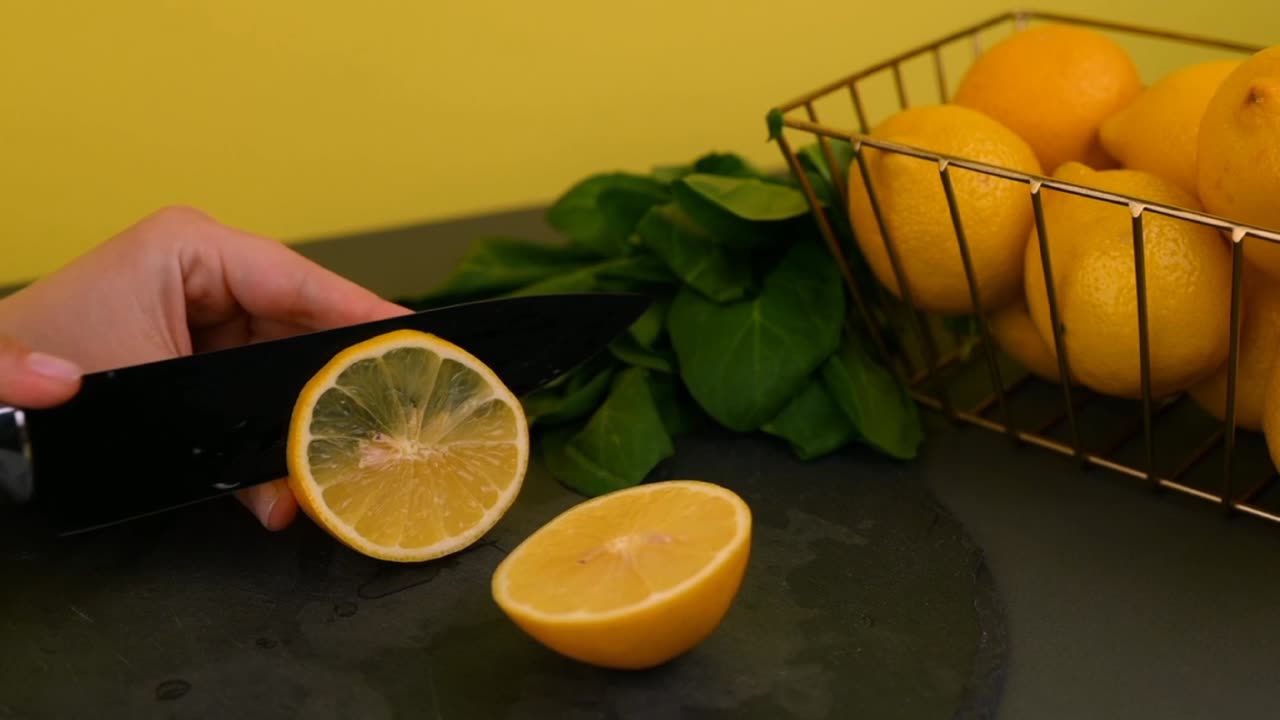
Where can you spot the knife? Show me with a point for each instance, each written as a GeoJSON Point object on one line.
{"type": "Point", "coordinates": [143, 439]}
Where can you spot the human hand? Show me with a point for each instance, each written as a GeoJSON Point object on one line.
{"type": "Point", "coordinates": [175, 283]}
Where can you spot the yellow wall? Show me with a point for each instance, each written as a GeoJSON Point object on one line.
{"type": "Point", "coordinates": [306, 118]}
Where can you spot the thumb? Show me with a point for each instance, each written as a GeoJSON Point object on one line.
{"type": "Point", "coordinates": [33, 379]}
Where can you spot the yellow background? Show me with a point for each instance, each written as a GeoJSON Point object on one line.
{"type": "Point", "coordinates": [301, 119]}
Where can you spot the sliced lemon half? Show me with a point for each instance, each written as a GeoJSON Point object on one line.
{"type": "Point", "coordinates": [405, 447]}
{"type": "Point", "coordinates": [633, 578]}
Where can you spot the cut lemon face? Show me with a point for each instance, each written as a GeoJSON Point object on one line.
{"type": "Point", "coordinates": [630, 579]}
{"type": "Point", "coordinates": [405, 447]}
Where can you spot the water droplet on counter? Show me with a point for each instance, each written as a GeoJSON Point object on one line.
{"type": "Point", "coordinates": [172, 689]}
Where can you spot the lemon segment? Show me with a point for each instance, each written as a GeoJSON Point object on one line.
{"type": "Point", "coordinates": [405, 447]}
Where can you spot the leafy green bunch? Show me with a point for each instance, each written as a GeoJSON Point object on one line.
{"type": "Point", "coordinates": [747, 328]}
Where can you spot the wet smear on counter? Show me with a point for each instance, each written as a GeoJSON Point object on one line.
{"type": "Point", "coordinates": [172, 689]}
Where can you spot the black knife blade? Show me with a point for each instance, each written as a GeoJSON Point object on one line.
{"type": "Point", "coordinates": [152, 437]}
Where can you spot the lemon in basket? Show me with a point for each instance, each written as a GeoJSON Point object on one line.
{"type": "Point", "coordinates": [1239, 152]}
{"type": "Point", "coordinates": [1271, 417]}
{"type": "Point", "coordinates": [1158, 131]}
{"type": "Point", "coordinates": [1014, 332]}
{"type": "Point", "coordinates": [405, 447]}
{"type": "Point", "coordinates": [1188, 273]}
{"type": "Point", "coordinates": [996, 212]}
{"type": "Point", "coordinates": [1054, 85]}
{"type": "Point", "coordinates": [1259, 338]}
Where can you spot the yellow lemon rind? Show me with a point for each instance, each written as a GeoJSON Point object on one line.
{"type": "Point", "coordinates": [303, 485]}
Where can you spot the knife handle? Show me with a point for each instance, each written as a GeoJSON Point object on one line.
{"type": "Point", "coordinates": [15, 458]}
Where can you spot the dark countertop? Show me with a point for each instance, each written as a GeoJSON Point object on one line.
{"type": "Point", "coordinates": [1121, 603]}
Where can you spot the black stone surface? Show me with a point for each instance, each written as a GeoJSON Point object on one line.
{"type": "Point", "coordinates": [1121, 603]}
{"type": "Point", "coordinates": [864, 598]}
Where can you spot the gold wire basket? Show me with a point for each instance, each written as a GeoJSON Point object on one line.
{"type": "Point", "coordinates": [1169, 443]}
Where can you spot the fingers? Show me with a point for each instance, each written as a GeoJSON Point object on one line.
{"type": "Point", "coordinates": [35, 380]}
{"type": "Point", "coordinates": [272, 503]}
{"type": "Point", "coordinates": [224, 287]}
{"type": "Point", "coordinates": [242, 330]}
{"type": "Point", "coordinates": [228, 269]}
{"type": "Point", "coordinates": [293, 290]}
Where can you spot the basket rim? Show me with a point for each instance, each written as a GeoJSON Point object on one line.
{"type": "Point", "coordinates": [1019, 17]}
{"type": "Point", "coordinates": [1237, 231]}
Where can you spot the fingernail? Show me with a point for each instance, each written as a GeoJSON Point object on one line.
{"type": "Point", "coordinates": [52, 367]}
{"type": "Point", "coordinates": [265, 502]}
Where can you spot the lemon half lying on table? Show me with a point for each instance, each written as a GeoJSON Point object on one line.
{"type": "Point", "coordinates": [405, 447]}
{"type": "Point", "coordinates": [630, 579]}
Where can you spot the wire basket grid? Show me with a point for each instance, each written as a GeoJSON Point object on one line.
{"type": "Point", "coordinates": [941, 375]}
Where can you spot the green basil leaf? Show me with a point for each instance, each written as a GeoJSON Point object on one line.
{"type": "Point", "coordinates": [600, 212]}
{"type": "Point", "coordinates": [743, 361]}
{"type": "Point", "coordinates": [652, 323]}
{"type": "Point", "coordinates": [670, 173]}
{"type": "Point", "coordinates": [812, 423]}
{"type": "Point", "coordinates": [680, 414]}
{"type": "Point", "coordinates": [813, 162]}
{"type": "Point", "coordinates": [631, 273]}
{"type": "Point", "coordinates": [693, 255]}
{"type": "Point", "coordinates": [884, 413]}
{"type": "Point", "coordinates": [825, 179]}
{"type": "Point", "coordinates": [774, 122]}
{"type": "Point", "coordinates": [742, 212]}
{"type": "Point", "coordinates": [498, 265]}
{"type": "Point", "coordinates": [725, 165]}
{"type": "Point", "coordinates": [618, 446]}
{"type": "Point", "coordinates": [749, 198]}
{"type": "Point", "coordinates": [644, 272]}
{"type": "Point", "coordinates": [712, 163]}
{"type": "Point", "coordinates": [629, 351]}
{"type": "Point", "coordinates": [582, 393]}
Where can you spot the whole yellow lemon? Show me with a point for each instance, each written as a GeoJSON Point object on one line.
{"type": "Point", "coordinates": [1188, 273]}
{"type": "Point", "coordinates": [1259, 338]}
{"type": "Point", "coordinates": [1016, 334]}
{"type": "Point", "coordinates": [1158, 131]}
{"type": "Point", "coordinates": [996, 212]}
{"type": "Point", "coordinates": [1054, 85]}
{"type": "Point", "coordinates": [1271, 416]}
{"type": "Point", "coordinates": [1238, 172]}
